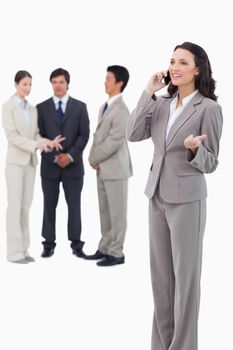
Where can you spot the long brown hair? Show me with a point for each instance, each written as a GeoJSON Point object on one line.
{"type": "Point", "coordinates": [204, 82]}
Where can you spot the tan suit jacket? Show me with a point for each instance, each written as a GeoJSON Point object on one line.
{"type": "Point", "coordinates": [180, 174]}
{"type": "Point", "coordinates": [109, 148]}
{"type": "Point", "coordinates": [22, 140]}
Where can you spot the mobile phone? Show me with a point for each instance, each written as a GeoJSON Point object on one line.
{"type": "Point", "coordinates": [167, 79]}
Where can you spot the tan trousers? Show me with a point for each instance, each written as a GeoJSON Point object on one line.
{"type": "Point", "coordinates": [112, 196]}
{"type": "Point", "coordinates": [20, 185]}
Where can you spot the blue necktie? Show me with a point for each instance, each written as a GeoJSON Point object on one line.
{"type": "Point", "coordinates": [60, 112]}
{"type": "Point", "coordinates": [105, 107]}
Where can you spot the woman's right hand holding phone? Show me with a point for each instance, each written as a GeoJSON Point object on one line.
{"type": "Point", "coordinates": [156, 82]}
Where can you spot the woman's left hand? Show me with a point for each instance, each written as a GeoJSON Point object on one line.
{"type": "Point", "coordinates": [193, 143]}
{"type": "Point", "coordinates": [55, 143]}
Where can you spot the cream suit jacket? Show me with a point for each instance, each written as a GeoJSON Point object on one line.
{"type": "Point", "coordinates": [22, 140]}
{"type": "Point", "coordinates": [180, 174]}
{"type": "Point", "coordinates": [109, 148]}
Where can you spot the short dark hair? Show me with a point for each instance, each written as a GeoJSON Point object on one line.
{"type": "Point", "coordinates": [20, 75]}
{"type": "Point", "coordinates": [120, 73]}
{"type": "Point", "coordinates": [204, 81]}
{"type": "Point", "coordinates": [60, 71]}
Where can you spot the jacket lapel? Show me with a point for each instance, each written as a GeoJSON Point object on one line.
{"type": "Point", "coordinates": [52, 110]}
{"type": "Point", "coordinates": [188, 111]}
{"type": "Point", "coordinates": [69, 108]}
{"type": "Point", "coordinates": [162, 123]}
{"type": "Point", "coordinates": [102, 116]}
{"type": "Point", "coordinates": [33, 119]}
{"type": "Point", "coordinates": [20, 119]}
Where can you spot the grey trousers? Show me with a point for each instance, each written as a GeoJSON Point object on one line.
{"type": "Point", "coordinates": [176, 237]}
{"type": "Point", "coordinates": [112, 195]}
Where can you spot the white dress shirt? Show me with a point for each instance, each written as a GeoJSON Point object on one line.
{"type": "Point", "coordinates": [175, 112]}
{"type": "Point", "coordinates": [64, 100]}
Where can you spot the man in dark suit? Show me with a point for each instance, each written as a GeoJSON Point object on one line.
{"type": "Point", "coordinates": [66, 116]}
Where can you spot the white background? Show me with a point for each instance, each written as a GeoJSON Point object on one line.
{"type": "Point", "coordinates": [65, 302]}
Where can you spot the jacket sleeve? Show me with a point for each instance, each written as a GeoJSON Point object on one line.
{"type": "Point", "coordinates": [114, 140]}
{"type": "Point", "coordinates": [139, 124]}
{"type": "Point", "coordinates": [12, 134]}
{"type": "Point", "coordinates": [83, 135]}
{"type": "Point", "coordinates": [206, 158]}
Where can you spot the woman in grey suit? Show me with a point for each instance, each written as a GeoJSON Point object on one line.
{"type": "Point", "coordinates": [185, 126]}
{"type": "Point", "coordinates": [20, 123]}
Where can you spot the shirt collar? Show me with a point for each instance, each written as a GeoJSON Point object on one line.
{"type": "Point", "coordinates": [186, 99]}
{"type": "Point", "coordinates": [64, 99]}
{"type": "Point", "coordinates": [21, 102]}
{"type": "Point", "coordinates": [113, 98]}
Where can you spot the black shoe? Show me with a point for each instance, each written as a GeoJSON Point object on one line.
{"type": "Point", "coordinates": [47, 252]}
{"type": "Point", "coordinates": [111, 260]}
{"type": "Point", "coordinates": [79, 253]}
{"type": "Point", "coordinates": [97, 256]}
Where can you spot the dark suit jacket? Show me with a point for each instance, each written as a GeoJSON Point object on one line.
{"type": "Point", "coordinates": [76, 131]}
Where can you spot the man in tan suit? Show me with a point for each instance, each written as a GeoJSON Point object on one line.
{"type": "Point", "coordinates": [109, 156]}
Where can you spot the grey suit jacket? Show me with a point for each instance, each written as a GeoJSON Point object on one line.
{"type": "Point", "coordinates": [109, 148]}
{"type": "Point", "coordinates": [178, 172]}
{"type": "Point", "coordinates": [22, 140]}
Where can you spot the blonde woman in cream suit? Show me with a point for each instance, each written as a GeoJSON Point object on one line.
{"type": "Point", "coordinates": [20, 123]}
